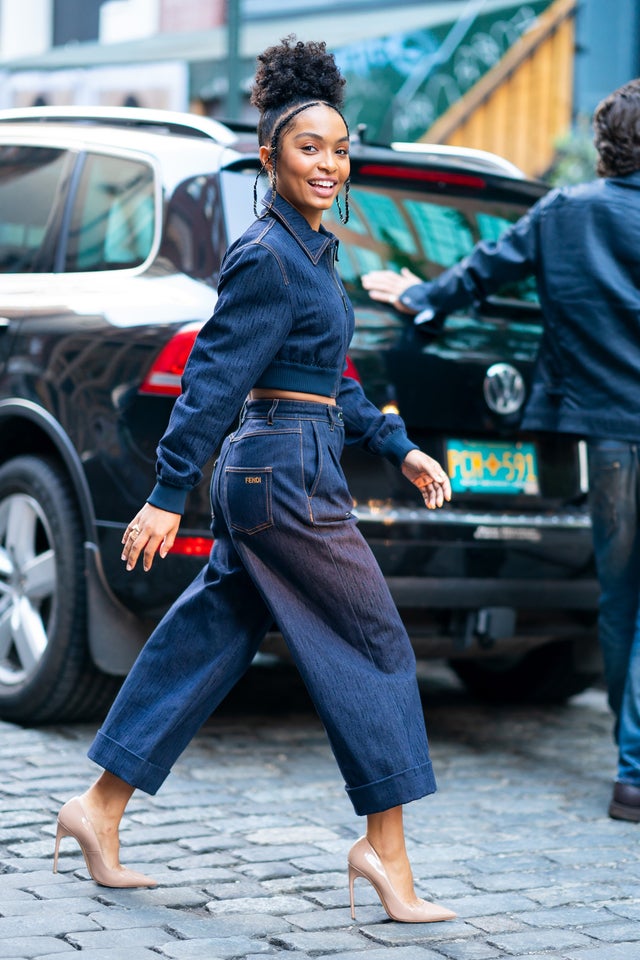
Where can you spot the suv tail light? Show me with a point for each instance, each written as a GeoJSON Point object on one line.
{"type": "Point", "coordinates": [351, 370]}
{"type": "Point", "coordinates": [192, 546]}
{"type": "Point", "coordinates": [164, 376]}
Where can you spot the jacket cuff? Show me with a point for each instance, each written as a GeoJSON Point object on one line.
{"type": "Point", "coordinates": [396, 446]}
{"type": "Point", "coordinates": [416, 297]}
{"type": "Point", "coordinates": [169, 498]}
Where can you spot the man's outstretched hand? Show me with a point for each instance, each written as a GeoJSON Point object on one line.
{"type": "Point", "coordinates": [388, 286]}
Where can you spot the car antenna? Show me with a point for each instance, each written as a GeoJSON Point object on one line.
{"type": "Point", "coordinates": [361, 131]}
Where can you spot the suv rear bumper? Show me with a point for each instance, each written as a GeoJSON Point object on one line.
{"type": "Point", "coordinates": [516, 547]}
{"type": "Point", "coordinates": [454, 593]}
{"type": "Point", "coordinates": [500, 523]}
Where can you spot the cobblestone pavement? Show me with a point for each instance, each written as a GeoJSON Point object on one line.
{"type": "Point", "coordinates": [248, 840]}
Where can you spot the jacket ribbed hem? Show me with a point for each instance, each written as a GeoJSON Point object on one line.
{"type": "Point", "coordinates": [393, 791]}
{"type": "Point", "coordinates": [134, 770]}
{"type": "Point", "coordinates": [281, 375]}
{"type": "Point", "coordinates": [166, 497]}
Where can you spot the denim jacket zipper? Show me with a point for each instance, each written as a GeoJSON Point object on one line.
{"type": "Point", "coordinates": [335, 278]}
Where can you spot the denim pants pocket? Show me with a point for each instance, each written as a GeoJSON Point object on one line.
{"type": "Point", "coordinates": [604, 498]}
{"type": "Point", "coordinates": [248, 493]}
{"type": "Point", "coordinates": [257, 456]}
{"type": "Point", "coordinates": [329, 500]}
{"type": "Point", "coordinates": [608, 466]}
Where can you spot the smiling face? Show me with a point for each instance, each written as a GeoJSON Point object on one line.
{"type": "Point", "coordinates": [312, 161]}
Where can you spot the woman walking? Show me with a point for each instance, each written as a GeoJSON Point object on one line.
{"type": "Point", "coordinates": [287, 548]}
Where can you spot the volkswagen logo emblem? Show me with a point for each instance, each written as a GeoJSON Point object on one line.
{"type": "Point", "coordinates": [503, 389]}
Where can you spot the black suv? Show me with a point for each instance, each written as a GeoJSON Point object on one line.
{"type": "Point", "coordinates": [113, 225]}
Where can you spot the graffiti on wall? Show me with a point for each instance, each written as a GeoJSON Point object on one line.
{"type": "Point", "coordinates": [400, 84]}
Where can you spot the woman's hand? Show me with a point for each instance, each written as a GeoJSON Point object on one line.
{"type": "Point", "coordinates": [428, 476]}
{"type": "Point", "coordinates": [387, 286]}
{"type": "Point", "coordinates": [151, 530]}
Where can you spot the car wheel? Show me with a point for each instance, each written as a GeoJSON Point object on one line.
{"type": "Point", "coordinates": [45, 669]}
{"type": "Point", "coordinates": [547, 674]}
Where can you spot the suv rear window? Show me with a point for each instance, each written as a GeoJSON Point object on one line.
{"type": "Point", "coordinates": [393, 226]}
{"type": "Point", "coordinates": [113, 216]}
{"type": "Point", "coordinates": [29, 181]}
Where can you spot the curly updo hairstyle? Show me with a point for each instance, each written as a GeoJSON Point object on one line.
{"type": "Point", "coordinates": [616, 128]}
{"type": "Point", "coordinates": [291, 77]}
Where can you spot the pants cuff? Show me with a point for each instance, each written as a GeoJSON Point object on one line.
{"type": "Point", "coordinates": [393, 791]}
{"type": "Point", "coordinates": [134, 770]}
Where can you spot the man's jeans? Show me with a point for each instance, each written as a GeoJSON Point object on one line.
{"type": "Point", "coordinates": [614, 480]}
{"type": "Point", "coordinates": [286, 549]}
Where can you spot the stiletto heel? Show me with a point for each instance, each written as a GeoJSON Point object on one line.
{"type": "Point", "coordinates": [60, 833]}
{"type": "Point", "coordinates": [364, 862]}
{"type": "Point", "coordinates": [74, 822]}
{"type": "Point", "coordinates": [352, 876]}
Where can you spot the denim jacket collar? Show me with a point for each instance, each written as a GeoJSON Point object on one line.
{"type": "Point", "coordinates": [629, 180]}
{"type": "Point", "coordinates": [313, 242]}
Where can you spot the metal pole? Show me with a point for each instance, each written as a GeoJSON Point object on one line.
{"type": "Point", "coordinates": [234, 74]}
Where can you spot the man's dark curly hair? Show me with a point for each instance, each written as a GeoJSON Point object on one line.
{"type": "Point", "coordinates": [289, 75]}
{"type": "Point", "coordinates": [616, 128]}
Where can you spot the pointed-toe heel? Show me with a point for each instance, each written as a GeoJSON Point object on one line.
{"type": "Point", "coordinates": [74, 822]}
{"type": "Point", "coordinates": [363, 861]}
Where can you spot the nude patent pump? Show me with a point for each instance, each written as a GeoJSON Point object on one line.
{"type": "Point", "coordinates": [74, 822]}
{"type": "Point", "coordinates": [364, 862]}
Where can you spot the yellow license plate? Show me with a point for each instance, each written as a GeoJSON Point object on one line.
{"type": "Point", "coordinates": [495, 467]}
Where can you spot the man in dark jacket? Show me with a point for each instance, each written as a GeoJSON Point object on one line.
{"type": "Point", "coordinates": [582, 244]}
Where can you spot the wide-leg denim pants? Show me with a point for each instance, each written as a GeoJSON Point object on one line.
{"type": "Point", "coordinates": [287, 549]}
{"type": "Point", "coordinates": [614, 483]}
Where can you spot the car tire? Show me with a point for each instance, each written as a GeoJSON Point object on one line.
{"type": "Point", "coordinates": [46, 673]}
{"type": "Point", "coordinates": [547, 674]}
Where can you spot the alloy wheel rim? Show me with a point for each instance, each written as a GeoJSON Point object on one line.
{"type": "Point", "coordinates": [28, 583]}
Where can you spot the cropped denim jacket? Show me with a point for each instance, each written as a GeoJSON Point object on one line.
{"type": "Point", "coordinates": [283, 321]}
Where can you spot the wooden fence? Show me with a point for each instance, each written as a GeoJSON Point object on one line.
{"type": "Point", "coordinates": [524, 103]}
